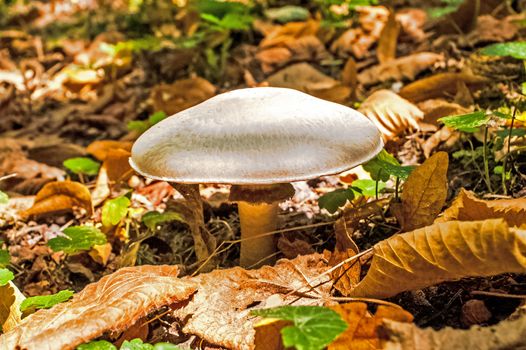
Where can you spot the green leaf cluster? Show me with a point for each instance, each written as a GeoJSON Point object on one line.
{"type": "Point", "coordinates": [314, 327]}
{"type": "Point", "coordinates": [135, 344]}
{"type": "Point", "coordinates": [77, 239]}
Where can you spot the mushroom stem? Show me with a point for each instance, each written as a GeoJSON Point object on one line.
{"type": "Point", "coordinates": [257, 219]}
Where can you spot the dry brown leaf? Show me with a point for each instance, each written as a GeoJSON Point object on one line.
{"type": "Point", "coordinates": [182, 94]}
{"type": "Point", "coordinates": [111, 304]}
{"type": "Point", "coordinates": [388, 40]}
{"type": "Point", "coordinates": [443, 252]}
{"type": "Point", "coordinates": [101, 253]}
{"type": "Point", "coordinates": [99, 149]}
{"type": "Point", "coordinates": [58, 197]}
{"type": "Point", "coordinates": [346, 277]}
{"type": "Point", "coordinates": [292, 249]}
{"type": "Point", "coordinates": [56, 153]}
{"type": "Point", "coordinates": [391, 114]}
{"type": "Point", "coordinates": [467, 207]}
{"type": "Point", "coordinates": [440, 85]}
{"type": "Point", "coordinates": [490, 29]}
{"type": "Point", "coordinates": [407, 67]}
{"type": "Point", "coordinates": [282, 35]}
{"type": "Point", "coordinates": [444, 135]}
{"type": "Point", "coordinates": [102, 188]}
{"type": "Point", "coordinates": [508, 334]}
{"type": "Point", "coordinates": [117, 165]}
{"type": "Point", "coordinates": [424, 194]}
{"type": "Point", "coordinates": [268, 336]}
{"type": "Point", "coordinates": [363, 332]}
{"type": "Point", "coordinates": [350, 76]}
{"type": "Point", "coordinates": [220, 311]}
{"type": "Point", "coordinates": [412, 21]}
{"type": "Point", "coordinates": [10, 300]}
{"type": "Point", "coordinates": [437, 108]}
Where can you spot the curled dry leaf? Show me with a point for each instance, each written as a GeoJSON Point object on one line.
{"type": "Point", "coordinates": [386, 50]}
{"type": "Point", "coordinates": [183, 94]}
{"type": "Point", "coordinates": [58, 197]}
{"type": "Point", "coordinates": [220, 310]}
{"type": "Point", "coordinates": [407, 67]}
{"type": "Point", "coordinates": [444, 135]}
{"type": "Point", "coordinates": [364, 329]}
{"type": "Point", "coordinates": [10, 300]}
{"type": "Point", "coordinates": [99, 149]}
{"type": "Point", "coordinates": [112, 304]}
{"type": "Point", "coordinates": [440, 85]}
{"type": "Point", "coordinates": [282, 35]}
{"type": "Point", "coordinates": [467, 207]}
{"type": "Point", "coordinates": [490, 29]}
{"type": "Point", "coordinates": [391, 114]}
{"type": "Point", "coordinates": [443, 252]}
{"type": "Point", "coordinates": [424, 194]}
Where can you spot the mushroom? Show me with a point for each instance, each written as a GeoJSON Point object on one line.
{"type": "Point", "coordinates": [258, 140]}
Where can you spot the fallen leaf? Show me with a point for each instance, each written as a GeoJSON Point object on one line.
{"type": "Point", "coordinates": [60, 196]}
{"type": "Point", "coordinates": [467, 207]}
{"type": "Point", "coordinates": [350, 76]}
{"type": "Point", "coordinates": [10, 300]}
{"type": "Point", "coordinates": [391, 114]}
{"type": "Point", "coordinates": [490, 29]}
{"type": "Point", "coordinates": [111, 304]}
{"type": "Point", "coordinates": [347, 276]}
{"type": "Point", "coordinates": [424, 194]}
{"type": "Point", "coordinates": [292, 249]}
{"type": "Point", "coordinates": [117, 165]}
{"type": "Point", "coordinates": [407, 67]}
{"type": "Point", "coordinates": [440, 85]}
{"type": "Point", "coordinates": [220, 311]}
{"type": "Point", "coordinates": [364, 329]}
{"type": "Point", "coordinates": [77, 238]}
{"type": "Point", "coordinates": [443, 135]}
{"type": "Point", "coordinates": [100, 149]}
{"type": "Point", "coordinates": [412, 21]}
{"type": "Point", "coordinates": [101, 253]}
{"type": "Point", "coordinates": [182, 94]}
{"type": "Point", "coordinates": [281, 35]}
{"type": "Point", "coordinates": [55, 154]}
{"type": "Point", "coordinates": [268, 334]}
{"type": "Point", "coordinates": [386, 50]}
{"type": "Point", "coordinates": [435, 109]}
{"type": "Point", "coordinates": [443, 252]}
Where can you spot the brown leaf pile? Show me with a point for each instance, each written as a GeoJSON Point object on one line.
{"type": "Point", "coordinates": [113, 303]}
{"type": "Point", "coordinates": [443, 252]}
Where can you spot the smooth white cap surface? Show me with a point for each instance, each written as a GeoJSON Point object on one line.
{"type": "Point", "coordinates": [256, 136]}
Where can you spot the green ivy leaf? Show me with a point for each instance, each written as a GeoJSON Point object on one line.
{"type": "Point", "coordinates": [114, 210]}
{"type": "Point", "coordinates": [152, 219]}
{"type": "Point", "coordinates": [367, 187]}
{"type": "Point", "coordinates": [314, 326]}
{"type": "Point", "coordinates": [4, 258]}
{"type": "Point", "coordinates": [97, 345]}
{"type": "Point", "coordinates": [76, 239]}
{"type": "Point", "coordinates": [336, 199]}
{"type": "Point", "coordinates": [466, 122]}
{"type": "Point", "coordinates": [384, 165]}
{"type": "Point", "coordinates": [5, 277]}
{"type": "Point", "coordinates": [515, 49]}
{"type": "Point", "coordinates": [82, 165]}
{"type": "Point", "coordinates": [4, 198]}
{"type": "Point", "coordinates": [31, 304]}
{"type": "Point", "coordinates": [287, 13]}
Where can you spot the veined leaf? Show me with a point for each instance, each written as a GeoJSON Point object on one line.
{"type": "Point", "coordinates": [31, 304]}
{"type": "Point", "coordinates": [82, 165]}
{"type": "Point", "coordinates": [152, 219]}
{"type": "Point", "coordinates": [313, 328]}
{"type": "Point", "coordinates": [10, 299]}
{"type": "Point", "coordinates": [384, 165]}
{"type": "Point", "coordinates": [114, 210]}
{"type": "Point", "coordinates": [466, 122]}
{"type": "Point", "coordinates": [515, 49]}
{"type": "Point", "coordinates": [336, 199]}
{"type": "Point", "coordinates": [137, 344]}
{"type": "Point", "coordinates": [5, 276]}
{"type": "Point", "coordinates": [367, 187]}
{"type": "Point", "coordinates": [97, 345]}
{"type": "Point", "coordinates": [76, 239]}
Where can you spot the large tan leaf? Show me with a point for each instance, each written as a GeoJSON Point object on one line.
{"type": "Point", "coordinates": [58, 197]}
{"type": "Point", "coordinates": [390, 113]}
{"type": "Point", "coordinates": [99, 149]}
{"type": "Point", "coordinates": [442, 252]}
{"type": "Point", "coordinates": [10, 300]}
{"type": "Point", "coordinates": [112, 304]}
{"type": "Point", "coordinates": [467, 207]}
{"type": "Point", "coordinates": [424, 194]}
{"type": "Point", "coordinates": [363, 331]}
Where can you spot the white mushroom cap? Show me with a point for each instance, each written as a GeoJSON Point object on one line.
{"type": "Point", "coordinates": [256, 136]}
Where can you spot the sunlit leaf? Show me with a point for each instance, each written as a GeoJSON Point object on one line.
{"type": "Point", "coordinates": [515, 49]}
{"type": "Point", "coordinates": [97, 345]}
{"type": "Point", "coordinates": [313, 328]}
{"type": "Point", "coordinates": [114, 210]}
{"type": "Point", "coordinates": [152, 219]}
{"type": "Point", "coordinates": [76, 239]}
{"type": "Point", "coordinates": [32, 304]}
{"type": "Point", "coordinates": [4, 258]}
{"type": "Point", "coordinates": [82, 165]}
{"type": "Point", "coordinates": [289, 13]}
{"type": "Point", "coordinates": [4, 198]}
{"type": "Point", "coordinates": [466, 122]}
{"type": "Point", "coordinates": [5, 276]}
{"type": "Point", "coordinates": [336, 199]}
{"type": "Point", "coordinates": [384, 165]}
{"type": "Point", "coordinates": [368, 187]}
{"type": "Point", "coordinates": [156, 117]}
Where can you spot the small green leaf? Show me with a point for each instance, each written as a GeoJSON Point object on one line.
{"type": "Point", "coordinates": [4, 258]}
{"type": "Point", "coordinates": [136, 344]}
{"type": "Point", "coordinates": [523, 88]}
{"type": "Point", "coordinates": [336, 199]}
{"type": "Point", "coordinates": [5, 276]}
{"type": "Point", "coordinates": [4, 198]}
{"type": "Point", "coordinates": [152, 219]}
{"type": "Point", "coordinates": [114, 210]}
{"type": "Point", "coordinates": [156, 117]}
{"type": "Point", "coordinates": [515, 49]}
{"type": "Point", "coordinates": [97, 345]}
{"type": "Point", "coordinates": [287, 13]}
{"type": "Point", "coordinates": [466, 122]}
{"type": "Point", "coordinates": [82, 165]}
{"type": "Point", "coordinates": [76, 239]}
{"type": "Point", "coordinates": [384, 165]}
{"type": "Point", "coordinates": [314, 326]}
{"type": "Point", "coordinates": [139, 126]}
{"type": "Point", "coordinates": [367, 187]}
{"type": "Point", "coordinates": [31, 304]}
